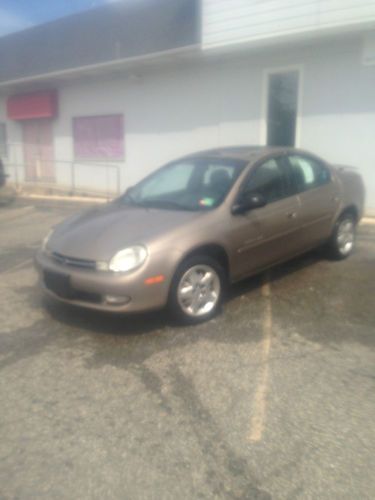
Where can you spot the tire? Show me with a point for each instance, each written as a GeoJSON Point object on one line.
{"type": "Point", "coordinates": [342, 241]}
{"type": "Point", "coordinates": [195, 296]}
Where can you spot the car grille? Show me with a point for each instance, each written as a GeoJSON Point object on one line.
{"type": "Point", "coordinates": [72, 261]}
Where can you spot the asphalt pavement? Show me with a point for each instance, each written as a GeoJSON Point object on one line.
{"type": "Point", "coordinates": [273, 399]}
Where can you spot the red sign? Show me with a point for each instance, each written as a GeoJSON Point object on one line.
{"type": "Point", "coordinates": [30, 106]}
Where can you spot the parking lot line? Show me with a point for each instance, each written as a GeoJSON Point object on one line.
{"type": "Point", "coordinates": [25, 263]}
{"type": "Point", "coordinates": [260, 396]}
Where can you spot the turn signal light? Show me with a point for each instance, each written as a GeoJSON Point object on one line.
{"type": "Point", "coordinates": [155, 279]}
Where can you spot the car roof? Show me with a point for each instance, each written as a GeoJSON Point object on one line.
{"type": "Point", "coordinates": [247, 153]}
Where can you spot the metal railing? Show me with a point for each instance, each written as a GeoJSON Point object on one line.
{"type": "Point", "coordinates": [73, 177]}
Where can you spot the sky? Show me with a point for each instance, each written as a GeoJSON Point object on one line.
{"type": "Point", "coordinates": [16, 15]}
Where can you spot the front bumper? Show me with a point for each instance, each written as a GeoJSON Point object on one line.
{"type": "Point", "coordinates": [92, 289]}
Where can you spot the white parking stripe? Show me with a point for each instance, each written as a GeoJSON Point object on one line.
{"type": "Point", "coordinates": [25, 263]}
{"type": "Point", "coordinates": [260, 396]}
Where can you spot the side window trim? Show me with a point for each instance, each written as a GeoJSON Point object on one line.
{"type": "Point", "coordinates": [285, 164]}
{"type": "Point", "coordinates": [291, 179]}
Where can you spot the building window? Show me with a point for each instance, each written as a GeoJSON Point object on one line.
{"type": "Point", "coordinates": [3, 140]}
{"type": "Point", "coordinates": [282, 108]}
{"type": "Point", "coordinates": [99, 137]}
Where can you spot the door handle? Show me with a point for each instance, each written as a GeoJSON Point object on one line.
{"type": "Point", "coordinates": [291, 215]}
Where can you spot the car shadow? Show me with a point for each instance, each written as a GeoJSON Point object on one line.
{"type": "Point", "coordinates": [149, 322]}
{"type": "Point", "coordinates": [276, 273]}
{"type": "Point", "coordinates": [106, 323]}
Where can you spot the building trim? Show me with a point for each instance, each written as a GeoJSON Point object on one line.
{"type": "Point", "coordinates": [118, 63]}
{"type": "Point", "coordinates": [288, 37]}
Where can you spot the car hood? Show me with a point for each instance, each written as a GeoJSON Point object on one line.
{"type": "Point", "coordinates": [99, 233]}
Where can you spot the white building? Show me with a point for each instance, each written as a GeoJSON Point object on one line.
{"type": "Point", "coordinates": [132, 85]}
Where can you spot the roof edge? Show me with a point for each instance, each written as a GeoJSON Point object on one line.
{"type": "Point", "coordinates": [115, 63]}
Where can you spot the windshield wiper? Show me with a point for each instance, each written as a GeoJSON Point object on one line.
{"type": "Point", "coordinates": [164, 204]}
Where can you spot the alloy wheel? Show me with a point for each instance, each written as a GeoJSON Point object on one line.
{"type": "Point", "coordinates": [345, 236]}
{"type": "Point", "coordinates": [198, 291]}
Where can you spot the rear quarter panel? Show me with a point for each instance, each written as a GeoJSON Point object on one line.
{"type": "Point", "coordinates": [352, 190]}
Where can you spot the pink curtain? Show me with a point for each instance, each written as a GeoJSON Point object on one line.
{"type": "Point", "coordinates": [99, 137]}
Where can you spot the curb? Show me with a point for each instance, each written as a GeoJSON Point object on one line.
{"type": "Point", "coordinates": [78, 199]}
{"type": "Point", "coordinates": [367, 220]}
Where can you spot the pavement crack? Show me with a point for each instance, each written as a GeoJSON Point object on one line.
{"type": "Point", "coordinates": [227, 472]}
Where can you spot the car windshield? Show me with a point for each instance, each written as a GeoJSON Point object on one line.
{"type": "Point", "coordinates": [192, 184]}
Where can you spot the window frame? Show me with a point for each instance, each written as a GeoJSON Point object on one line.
{"type": "Point", "coordinates": [288, 186]}
{"type": "Point", "coordinates": [79, 158]}
{"type": "Point", "coordinates": [267, 73]}
{"type": "Point", "coordinates": [313, 159]}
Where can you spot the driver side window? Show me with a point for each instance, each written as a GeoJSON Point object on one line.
{"type": "Point", "coordinates": [268, 180]}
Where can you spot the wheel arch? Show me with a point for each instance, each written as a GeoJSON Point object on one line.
{"type": "Point", "coordinates": [213, 250]}
{"type": "Point", "coordinates": [349, 209]}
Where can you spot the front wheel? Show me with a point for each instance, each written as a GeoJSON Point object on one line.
{"type": "Point", "coordinates": [343, 237]}
{"type": "Point", "coordinates": [197, 290]}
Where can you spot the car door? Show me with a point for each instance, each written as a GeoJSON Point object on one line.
{"type": "Point", "coordinates": [318, 197]}
{"type": "Point", "coordinates": [265, 235]}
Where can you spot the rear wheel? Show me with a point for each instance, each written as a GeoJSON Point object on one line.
{"type": "Point", "coordinates": [197, 289]}
{"type": "Point", "coordinates": [343, 237]}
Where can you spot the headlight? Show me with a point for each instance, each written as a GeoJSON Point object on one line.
{"type": "Point", "coordinates": [128, 259]}
{"type": "Point", "coordinates": [46, 240]}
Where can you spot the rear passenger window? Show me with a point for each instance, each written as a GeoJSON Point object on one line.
{"type": "Point", "coordinates": [308, 173]}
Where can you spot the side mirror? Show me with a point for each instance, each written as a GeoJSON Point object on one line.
{"type": "Point", "coordinates": [248, 201]}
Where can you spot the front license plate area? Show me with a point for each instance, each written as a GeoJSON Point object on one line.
{"type": "Point", "coordinates": [58, 284]}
